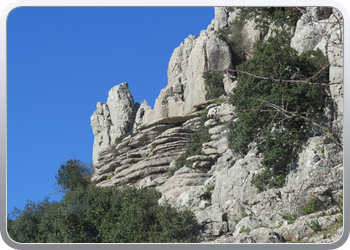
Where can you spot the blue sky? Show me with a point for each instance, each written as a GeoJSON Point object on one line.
{"type": "Point", "coordinates": [61, 61]}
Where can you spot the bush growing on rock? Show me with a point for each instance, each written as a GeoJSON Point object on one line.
{"type": "Point", "coordinates": [220, 101]}
{"type": "Point", "coordinates": [245, 230]}
{"type": "Point", "coordinates": [264, 16]}
{"type": "Point", "coordinates": [311, 206]}
{"type": "Point", "coordinates": [274, 112]}
{"type": "Point", "coordinates": [214, 84]}
{"type": "Point", "coordinates": [238, 39]}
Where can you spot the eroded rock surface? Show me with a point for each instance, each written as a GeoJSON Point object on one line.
{"type": "Point", "coordinates": [113, 119]}
{"type": "Point", "coordinates": [217, 187]}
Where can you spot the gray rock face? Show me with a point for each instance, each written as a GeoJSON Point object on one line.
{"type": "Point", "coordinates": [144, 158]}
{"type": "Point", "coordinates": [218, 187]}
{"type": "Point", "coordinates": [185, 82]}
{"type": "Point", "coordinates": [113, 119]}
{"type": "Point", "coordinates": [326, 33]}
{"type": "Point", "coordinates": [144, 107]}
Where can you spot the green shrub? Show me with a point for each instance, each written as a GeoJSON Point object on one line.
{"type": "Point", "coordinates": [245, 230]}
{"type": "Point", "coordinates": [214, 84]}
{"type": "Point", "coordinates": [101, 215]}
{"type": "Point", "coordinates": [208, 193]}
{"type": "Point", "coordinates": [110, 176]}
{"type": "Point", "coordinates": [279, 135]}
{"type": "Point", "coordinates": [220, 101]}
{"type": "Point", "coordinates": [24, 226]}
{"type": "Point", "coordinates": [321, 148]}
{"type": "Point", "coordinates": [244, 214]}
{"type": "Point", "coordinates": [340, 204]}
{"type": "Point", "coordinates": [241, 45]}
{"type": "Point", "coordinates": [186, 241]}
{"type": "Point", "coordinates": [91, 214]}
{"type": "Point", "coordinates": [73, 174]}
{"type": "Point", "coordinates": [211, 188]}
{"type": "Point", "coordinates": [290, 217]}
{"type": "Point", "coordinates": [340, 219]}
{"type": "Point", "coordinates": [311, 206]}
{"type": "Point", "coordinates": [264, 16]}
{"type": "Point", "coordinates": [238, 39]}
{"type": "Point", "coordinates": [315, 226]}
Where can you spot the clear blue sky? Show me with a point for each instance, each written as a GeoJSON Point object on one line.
{"type": "Point", "coordinates": [61, 61]}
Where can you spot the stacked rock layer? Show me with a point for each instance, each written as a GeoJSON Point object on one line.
{"type": "Point", "coordinates": [138, 145]}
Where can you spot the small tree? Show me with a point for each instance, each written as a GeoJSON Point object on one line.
{"type": "Point", "coordinates": [274, 112]}
{"type": "Point", "coordinates": [73, 174]}
{"type": "Point", "coordinates": [24, 225]}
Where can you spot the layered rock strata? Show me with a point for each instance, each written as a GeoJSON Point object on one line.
{"type": "Point", "coordinates": [218, 185]}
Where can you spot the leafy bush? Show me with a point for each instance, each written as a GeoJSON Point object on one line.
{"type": "Point", "coordinates": [73, 174]}
{"type": "Point", "coordinates": [245, 230]}
{"type": "Point", "coordinates": [321, 148]}
{"type": "Point", "coordinates": [241, 45]}
{"type": "Point", "coordinates": [214, 84]}
{"type": "Point", "coordinates": [220, 101]}
{"type": "Point", "coordinates": [186, 241]}
{"type": "Point", "coordinates": [262, 105]}
{"type": "Point", "coordinates": [315, 226]}
{"type": "Point", "coordinates": [208, 193]}
{"type": "Point", "coordinates": [311, 206]}
{"type": "Point", "coordinates": [24, 226]}
{"type": "Point", "coordinates": [207, 196]}
{"type": "Point", "coordinates": [110, 176]}
{"type": "Point", "coordinates": [340, 219]}
{"type": "Point", "coordinates": [264, 16]}
{"type": "Point", "coordinates": [211, 188]}
{"type": "Point", "coordinates": [91, 214]}
{"type": "Point", "coordinates": [244, 214]}
{"type": "Point", "coordinates": [101, 215]}
{"type": "Point", "coordinates": [238, 38]}
{"type": "Point", "coordinates": [340, 204]}
{"type": "Point", "coordinates": [290, 217]}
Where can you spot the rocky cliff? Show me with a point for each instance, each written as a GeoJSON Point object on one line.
{"type": "Point", "coordinates": [137, 144]}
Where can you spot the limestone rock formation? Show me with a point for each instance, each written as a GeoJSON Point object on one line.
{"type": "Point", "coordinates": [315, 31]}
{"type": "Point", "coordinates": [113, 119]}
{"type": "Point", "coordinates": [185, 82]}
{"type": "Point", "coordinates": [217, 186]}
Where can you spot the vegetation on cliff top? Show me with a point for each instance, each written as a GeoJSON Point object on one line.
{"type": "Point", "coordinates": [241, 43]}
